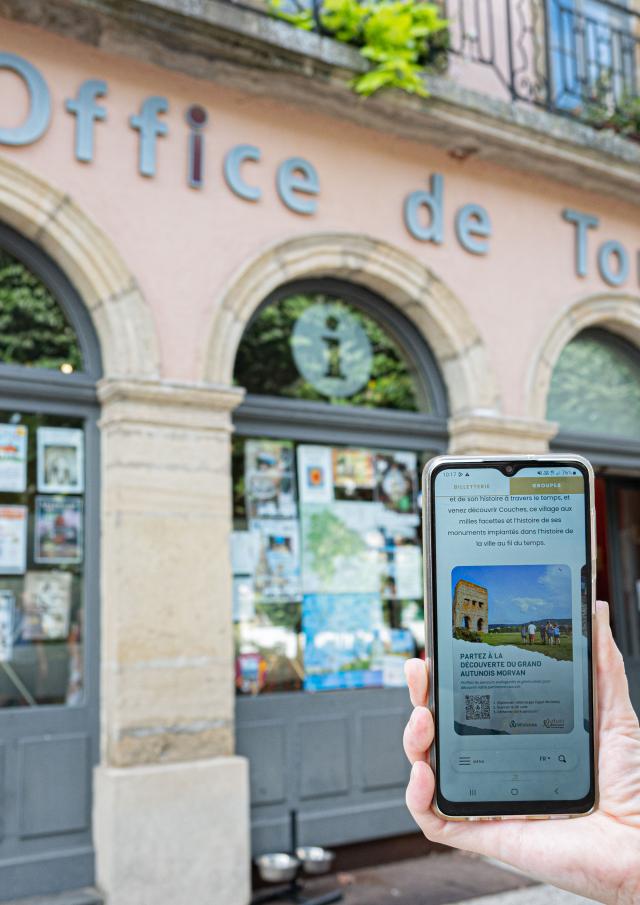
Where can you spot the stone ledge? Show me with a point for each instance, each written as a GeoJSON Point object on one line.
{"type": "Point", "coordinates": [480, 433]}
{"type": "Point", "coordinates": [229, 44]}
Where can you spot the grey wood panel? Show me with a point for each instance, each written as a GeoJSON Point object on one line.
{"type": "Point", "coordinates": [266, 772]}
{"type": "Point", "coordinates": [49, 768]}
{"type": "Point", "coordinates": [324, 756]}
{"type": "Point", "coordinates": [384, 764]}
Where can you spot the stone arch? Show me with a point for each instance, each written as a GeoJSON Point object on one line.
{"type": "Point", "coordinates": [387, 270]}
{"type": "Point", "coordinates": [119, 313]}
{"type": "Point", "coordinates": [619, 313]}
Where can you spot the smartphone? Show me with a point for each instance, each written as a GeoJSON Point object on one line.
{"type": "Point", "coordinates": [509, 595]}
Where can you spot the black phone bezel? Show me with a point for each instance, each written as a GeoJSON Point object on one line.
{"type": "Point", "coordinates": [498, 808]}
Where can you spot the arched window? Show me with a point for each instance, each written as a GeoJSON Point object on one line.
{"type": "Point", "coordinates": [595, 388]}
{"type": "Point", "coordinates": [344, 403]}
{"type": "Point", "coordinates": [49, 363]}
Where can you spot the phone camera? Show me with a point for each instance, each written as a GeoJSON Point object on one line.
{"type": "Point", "coordinates": [508, 469]}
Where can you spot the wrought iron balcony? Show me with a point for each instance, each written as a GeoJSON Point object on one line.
{"type": "Point", "coordinates": [574, 57]}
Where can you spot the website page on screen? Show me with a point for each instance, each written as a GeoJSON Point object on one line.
{"type": "Point", "coordinates": [512, 622]}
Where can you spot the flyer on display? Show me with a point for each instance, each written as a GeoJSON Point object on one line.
{"type": "Point", "coordinates": [396, 474]}
{"type": "Point", "coordinates": [270, 479]}
{"type": "Point", "coordinates": [47, 606]}
{"type": "Point", "coordinates": [13, 457]}
{"type": "Point", "coordinates": [315, 474]}
{"type": "Point", "coordinates": [60, 460]}
{"type": "Point", "coordinates": [7, 624]}
{"type": "Point", "coordinates": [13, 540]}
{"type": "Point", "coordinates": [343, 641]}
{"type": "Point", "coordinates": [58, 536]}
{"type": "Point", "coordinates": [277, 572]}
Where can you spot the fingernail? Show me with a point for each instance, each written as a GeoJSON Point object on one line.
{"type": "Point", "coordinates": [602, 605]}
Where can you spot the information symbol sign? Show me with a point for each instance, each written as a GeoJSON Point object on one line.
{"type": "Point", "coordinates": [331, 350]}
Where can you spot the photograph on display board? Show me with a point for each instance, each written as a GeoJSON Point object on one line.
{"type": "Point", "coordinates": [13, 540]}
{"type": "Point", "coordinates": [354, 476]}
{"type": "Point", "coordinates": [58, 535]}
{"type": "Point", "coordinates": [245, 550]}
{"type": "Point", "coordinates": [277, 573]}
{"type": "Point", "coordinates": [47, 606]}
{"type": "Point", "coordinates": [343, 641]}
{"type": "Point", "coordinates": [270, 479]}
{"type": "Point", "coordinates": [396, 480]}
{"type": "Point", "coordinates": [13, 458]}
{"type": "Point", "coordinates": [60, 460]}
{"type": "Point", "coordinates": [7, 624]}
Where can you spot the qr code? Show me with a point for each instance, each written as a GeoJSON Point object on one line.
{"type": "Point", "coordinates": [477, 706]}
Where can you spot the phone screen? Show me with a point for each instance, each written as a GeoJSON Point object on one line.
{"type": "Point", "coordinates": [511, 576]}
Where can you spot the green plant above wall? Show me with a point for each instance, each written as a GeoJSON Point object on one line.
{"type": "Point", "coordinates": [400, 38]}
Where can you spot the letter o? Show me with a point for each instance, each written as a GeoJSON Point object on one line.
{"type": "Point", "coordinates": [606, 250]}
{"type": "Point", "coordinates": [39, 116]}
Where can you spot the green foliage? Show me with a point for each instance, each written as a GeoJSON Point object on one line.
{"type": "Point", "coordinates": [466, 634]}
{"type": "Point", "coordinates": [603, 112]}
{"type": "Point", "coordinates": [33, 329]}
{"type": "Point", "coordinates": [401, 38]}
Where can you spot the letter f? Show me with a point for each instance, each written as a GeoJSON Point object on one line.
{"type": "Point", "coordinates": [147, 124]}
{"type": "Point", "coordinates": [86, 110]}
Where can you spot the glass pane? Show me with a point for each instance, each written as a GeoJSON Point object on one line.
{"type": "Point", "coordinates": [41, 559]}
{"type": "Point", "coordinates": [33, 329]}
{"type": "Point", "coordinates": [327, 566]}
{"type": "Point", "coordinates": [320, 347]}
{"type": "Point", "coordinates": [595, 387]}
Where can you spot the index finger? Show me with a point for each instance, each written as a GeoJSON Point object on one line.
{"type": "Point", "coordinates": [417, 674]}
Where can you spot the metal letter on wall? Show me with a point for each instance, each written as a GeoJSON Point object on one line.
{"type": "Point", "coordinates": [39, 115]}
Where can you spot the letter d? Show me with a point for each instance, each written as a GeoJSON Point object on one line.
{"type": "Point", "coordinates": [434, 230]}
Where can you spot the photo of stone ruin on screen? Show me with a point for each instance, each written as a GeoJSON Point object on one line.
{"type": "Point", "coordinates": [470, 607]}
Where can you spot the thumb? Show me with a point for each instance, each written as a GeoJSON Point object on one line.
{"type": "Point", "coordinates": [614, 704]}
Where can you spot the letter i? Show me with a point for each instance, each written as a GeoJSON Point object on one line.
{"type": "Point", "coordinates": [196, 117]}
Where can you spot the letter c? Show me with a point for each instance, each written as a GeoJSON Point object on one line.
{"type": "Point", "coordinates": [39, 116]}
{"type": "Point", "coordinates": [232, 162]}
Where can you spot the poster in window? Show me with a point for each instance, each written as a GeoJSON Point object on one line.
{"type": "Point", "coordinates": [343, 641]}
{"type": "Point", "coordinates": [270, 479]}
{"type": "Point", "coordinates": [354, 476]}
{"type": "Point", "coordinates": [58, 536]}
{"type": "Point", "coordinates": [47, 606]}
{"type": "Point", "coordinates": [7, 624]}
{"type": "Point", "coordinates": [398, 646]}
{"type": "Point", "coordinates": [243, 599]}
{"type": "Point", "coordinates": [13, 540]}
{"type": "Point", "coordinates": [13, 457]}
{"type": "Point", "coordinates": [277, 574]}
{"type": "Point", "coordinates": [245, 550]}
{"type": "Point", "coordinates": [396, 480]}
{"type": "Point", "coordinates": [408, 571]}
{"type": "Point", "coordinates": [341, 548]}
{"type": "Point", "coordinates": [315, 474]}
{"type": "Point", "coordinates": [60, 460]}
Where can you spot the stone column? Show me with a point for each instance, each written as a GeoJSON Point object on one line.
{"type": "Point", "coordinates": [486, 434]}
{"type": "Point", "coordinates": [171, 812]}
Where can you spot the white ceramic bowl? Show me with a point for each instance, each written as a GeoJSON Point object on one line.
{"type": "Point", "coordinates": [315, 860]}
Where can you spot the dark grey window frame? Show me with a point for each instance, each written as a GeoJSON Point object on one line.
{"type": "Point", "coordinates": [48, 391]}
{"type": "Point", "coordinates": [605, 452]}
{"type": "Point", "coordinates": [307, 421]}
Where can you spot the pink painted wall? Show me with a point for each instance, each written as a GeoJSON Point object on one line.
{"type": "Point", "coordinates": [182, 245]}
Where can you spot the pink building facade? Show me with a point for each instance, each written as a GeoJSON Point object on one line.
{"type": "Point", "coordinates": [493, 237]}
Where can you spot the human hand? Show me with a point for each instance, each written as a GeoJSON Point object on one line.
{"type": "Point", "coordinates": [597, 856]}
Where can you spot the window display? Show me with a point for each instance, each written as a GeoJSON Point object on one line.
{"type": "Point", "coordinates": [327, 566]}
{"type": "Point", "coordinates": [41, 559]}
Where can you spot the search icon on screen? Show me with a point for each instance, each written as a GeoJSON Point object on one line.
{"type": "Point", "coordinates": [562, 758]}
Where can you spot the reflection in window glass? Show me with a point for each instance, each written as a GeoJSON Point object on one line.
{"type": "Point", "coordinates": [327, 586]}
{"type": "Point", "coordinates": [595, 387]}
{"type": "Point", "coordinates": [33, 330]}
{"type": "Point", "coordinates": [319, 347]}
{"type": "Point", "coordinates": [41, 559]}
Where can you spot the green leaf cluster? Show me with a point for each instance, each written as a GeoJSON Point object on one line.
{"type": "Point", "coordinates": [33, 329]}
{"type": "Point", "coordinates": [400, 38]}
{"type": "Point", "coordinates": [603, 112]}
